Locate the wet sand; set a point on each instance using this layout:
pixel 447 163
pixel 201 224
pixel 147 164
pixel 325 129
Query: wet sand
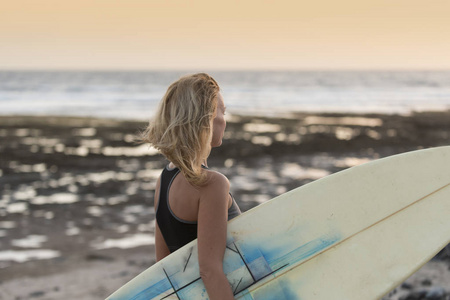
pixel 76 213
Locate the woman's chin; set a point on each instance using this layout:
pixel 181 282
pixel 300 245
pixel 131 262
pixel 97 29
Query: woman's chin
pixel 216 144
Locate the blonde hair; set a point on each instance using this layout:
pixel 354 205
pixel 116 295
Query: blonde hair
pixel 181 128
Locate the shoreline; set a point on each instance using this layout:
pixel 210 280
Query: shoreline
pixel 81 187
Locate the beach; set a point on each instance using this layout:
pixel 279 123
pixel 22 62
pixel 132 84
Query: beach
pixel 76 196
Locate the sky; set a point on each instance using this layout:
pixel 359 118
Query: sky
pixel 225 35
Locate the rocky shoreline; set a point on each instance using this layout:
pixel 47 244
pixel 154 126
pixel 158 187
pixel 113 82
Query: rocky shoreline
pixel 76 216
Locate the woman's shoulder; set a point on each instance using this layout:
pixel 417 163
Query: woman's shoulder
pixel 215 181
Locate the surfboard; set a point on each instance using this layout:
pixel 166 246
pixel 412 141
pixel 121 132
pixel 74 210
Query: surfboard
pixel 355 234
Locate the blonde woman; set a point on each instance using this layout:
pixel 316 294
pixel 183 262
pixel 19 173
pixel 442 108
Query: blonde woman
pixel 192 201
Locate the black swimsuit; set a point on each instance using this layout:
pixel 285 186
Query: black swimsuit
pixel 178 232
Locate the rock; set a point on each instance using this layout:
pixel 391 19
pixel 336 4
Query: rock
pixel 444 254
pixel 37 294
pixel 436 293
pixel 123 273
pixel 417 295
pixel 407 286
pixel 427 282
pixel 392 293
pixel 93 256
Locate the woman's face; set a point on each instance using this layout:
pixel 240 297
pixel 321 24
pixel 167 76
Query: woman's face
pixel 219 123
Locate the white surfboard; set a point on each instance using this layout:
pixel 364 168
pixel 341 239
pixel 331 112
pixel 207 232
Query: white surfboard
pixel 355 234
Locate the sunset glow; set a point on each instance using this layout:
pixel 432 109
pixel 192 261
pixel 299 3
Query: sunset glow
pixel 251 34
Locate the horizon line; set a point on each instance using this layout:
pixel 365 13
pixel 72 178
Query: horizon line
pixel 195 70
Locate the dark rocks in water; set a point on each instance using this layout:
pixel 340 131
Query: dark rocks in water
pixel 444 254
pixel 37 294
pixel 392 293
pixel 427 282
pixel 417 295
pixel 93 256
pixel 123 273
pixel 436 293
pixel 407 286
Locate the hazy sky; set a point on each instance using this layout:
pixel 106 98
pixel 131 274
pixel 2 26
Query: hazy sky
pixel 226 34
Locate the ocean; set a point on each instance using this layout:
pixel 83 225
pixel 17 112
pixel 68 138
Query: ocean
pixel 135 94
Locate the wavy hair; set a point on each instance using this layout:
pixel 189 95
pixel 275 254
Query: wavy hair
pixel 181 129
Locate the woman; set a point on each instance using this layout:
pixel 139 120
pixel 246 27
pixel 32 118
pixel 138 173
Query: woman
pixel 192 201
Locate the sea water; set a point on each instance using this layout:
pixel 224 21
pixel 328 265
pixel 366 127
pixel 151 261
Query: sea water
pixel 135 94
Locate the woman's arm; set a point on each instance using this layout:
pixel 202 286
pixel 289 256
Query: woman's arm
pixel 212 235
pixel 161 248
pixel 160 245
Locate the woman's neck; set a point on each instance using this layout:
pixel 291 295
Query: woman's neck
pixel 172 166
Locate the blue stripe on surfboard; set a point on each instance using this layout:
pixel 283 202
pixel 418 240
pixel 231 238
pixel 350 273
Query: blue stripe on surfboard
pixel 259 260
pixel 301 253
pixel 152 291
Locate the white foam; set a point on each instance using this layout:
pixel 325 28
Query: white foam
pixel 31 241
pixel 136 240
pixel 123 176
pixel 229 162
pixel 130 218
pixel 30 168
pixel 99 177
pixel 373 134
pixel 132 188
pixel 134 209
pixel 245 183
pixel 345 133
pixel 25 193
pixel 95 211
pixel 42 141
pixel 260 198
pixel 59 147
pixel 147 227
pixel 15 208
pixel 143 150
pixel 84 131
pixel 291 138
pixel 73 231
pixel 22 132
pixel 117 199
pixel 148 173
pixel 80 151
pixel 123 228
pixel 262 140
pixel 295 171
pixel 255 127
pixel 109 175
pixel 43 214
pixel 95 143
pixel 7 224
pixel 354 121
pixel 58 198
pixel 350 162
pixel 26 255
